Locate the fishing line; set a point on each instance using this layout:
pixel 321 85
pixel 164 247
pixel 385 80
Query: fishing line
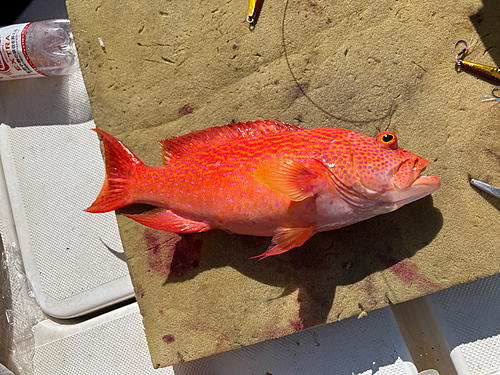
pixel 390 112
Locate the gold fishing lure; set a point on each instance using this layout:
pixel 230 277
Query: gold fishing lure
pixel 484 70
pixel 253 8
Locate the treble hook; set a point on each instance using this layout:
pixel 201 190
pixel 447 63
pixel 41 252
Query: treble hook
pixel 457 60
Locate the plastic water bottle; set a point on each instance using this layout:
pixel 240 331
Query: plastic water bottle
pixel 37 49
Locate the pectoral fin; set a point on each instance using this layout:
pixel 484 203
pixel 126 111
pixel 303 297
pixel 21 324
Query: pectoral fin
pixel 286 239
pixel 287 177
pixel 168 221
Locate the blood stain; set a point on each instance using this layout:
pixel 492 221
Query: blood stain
pixel 296 324
pixel 409 273
pixel 186 110
pixel 187 256
pixel 275 330
pixel 160 248
pixel 168 339
pixel 223 340
pixel 170 254
pixel 315 6
pixel 139 291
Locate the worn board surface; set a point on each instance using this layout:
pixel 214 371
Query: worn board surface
pixel 157 69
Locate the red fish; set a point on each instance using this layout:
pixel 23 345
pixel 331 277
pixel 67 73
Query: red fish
pixel 264 178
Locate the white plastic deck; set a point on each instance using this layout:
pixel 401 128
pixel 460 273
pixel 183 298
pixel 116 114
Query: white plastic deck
pixel 114 343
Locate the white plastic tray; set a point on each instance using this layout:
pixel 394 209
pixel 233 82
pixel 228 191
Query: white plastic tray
pixel 73 259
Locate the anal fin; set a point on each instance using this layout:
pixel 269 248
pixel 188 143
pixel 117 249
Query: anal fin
pixel 166 220
pixel 286 239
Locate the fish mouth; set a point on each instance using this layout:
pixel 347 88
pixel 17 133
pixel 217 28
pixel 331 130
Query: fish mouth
pixel 413 186
pixel 427 183
pixel 419 188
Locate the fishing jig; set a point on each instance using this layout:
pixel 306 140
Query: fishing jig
pixel 253 9
pixel 484 70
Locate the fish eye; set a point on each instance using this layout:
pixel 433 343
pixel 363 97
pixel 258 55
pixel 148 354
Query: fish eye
pixel 387 140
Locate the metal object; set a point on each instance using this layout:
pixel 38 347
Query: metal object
pixel 486 187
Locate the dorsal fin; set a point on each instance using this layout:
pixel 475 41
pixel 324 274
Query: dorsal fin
pixel 186 144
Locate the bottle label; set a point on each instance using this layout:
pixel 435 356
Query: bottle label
pixel 14 60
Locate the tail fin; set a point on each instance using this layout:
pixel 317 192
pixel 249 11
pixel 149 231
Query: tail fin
pixel 121 165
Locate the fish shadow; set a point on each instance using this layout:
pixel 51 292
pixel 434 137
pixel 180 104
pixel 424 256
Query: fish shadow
pixel 326 261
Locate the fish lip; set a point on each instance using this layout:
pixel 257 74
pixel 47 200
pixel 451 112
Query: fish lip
pixel 421 187
pixel 428 181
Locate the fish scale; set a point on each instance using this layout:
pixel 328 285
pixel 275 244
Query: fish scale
pixel 264 178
